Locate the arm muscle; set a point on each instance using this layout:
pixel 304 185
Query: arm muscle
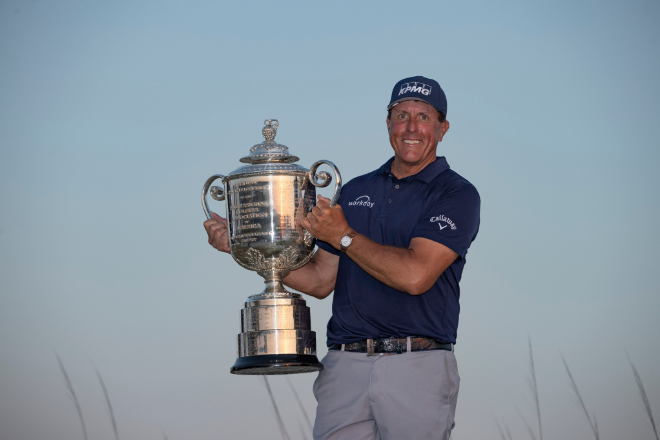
pixel 316 278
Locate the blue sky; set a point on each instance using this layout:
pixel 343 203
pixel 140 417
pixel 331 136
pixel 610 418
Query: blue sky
pixel 113 114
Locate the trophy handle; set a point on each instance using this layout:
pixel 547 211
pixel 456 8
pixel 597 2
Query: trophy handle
pixel 325 179
pixel 216 192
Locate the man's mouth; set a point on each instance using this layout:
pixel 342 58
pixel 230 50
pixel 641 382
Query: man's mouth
pixel 411 142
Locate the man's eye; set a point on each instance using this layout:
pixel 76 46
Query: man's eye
pixel 423 117
pixel 402 116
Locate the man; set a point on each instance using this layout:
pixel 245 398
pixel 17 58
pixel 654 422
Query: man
pixel 393 251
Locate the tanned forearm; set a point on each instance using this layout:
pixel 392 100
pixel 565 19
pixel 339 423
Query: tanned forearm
pixel 412 270
pixel 317 277
pixel 404 269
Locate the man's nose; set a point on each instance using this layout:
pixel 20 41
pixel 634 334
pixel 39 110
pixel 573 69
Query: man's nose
pixel 412 125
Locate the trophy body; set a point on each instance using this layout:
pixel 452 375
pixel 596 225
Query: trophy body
pixel 266 201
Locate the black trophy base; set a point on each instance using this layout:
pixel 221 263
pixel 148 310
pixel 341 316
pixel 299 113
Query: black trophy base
pixel 276 364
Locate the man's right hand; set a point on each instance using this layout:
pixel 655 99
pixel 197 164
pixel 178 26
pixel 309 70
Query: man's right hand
pixel 216 228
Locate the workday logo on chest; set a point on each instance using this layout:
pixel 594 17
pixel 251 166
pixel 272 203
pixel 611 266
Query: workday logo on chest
pixel 362 201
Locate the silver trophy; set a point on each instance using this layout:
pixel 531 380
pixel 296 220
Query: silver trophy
pixel 265 202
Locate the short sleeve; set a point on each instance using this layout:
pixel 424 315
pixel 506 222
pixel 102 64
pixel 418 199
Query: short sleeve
pixel 327 247
pixel 452 218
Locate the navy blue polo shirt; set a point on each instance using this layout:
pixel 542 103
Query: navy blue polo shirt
pixel 437 204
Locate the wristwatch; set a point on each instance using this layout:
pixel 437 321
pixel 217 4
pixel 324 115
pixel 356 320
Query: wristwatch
pixel 347 239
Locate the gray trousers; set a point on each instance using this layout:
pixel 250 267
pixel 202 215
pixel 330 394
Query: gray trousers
pixel 390 397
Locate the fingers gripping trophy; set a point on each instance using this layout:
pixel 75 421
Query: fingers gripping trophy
pixel 266 201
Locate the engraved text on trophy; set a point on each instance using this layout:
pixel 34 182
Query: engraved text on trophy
pixel 264 221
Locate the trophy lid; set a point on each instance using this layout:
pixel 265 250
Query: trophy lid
pixel 269 151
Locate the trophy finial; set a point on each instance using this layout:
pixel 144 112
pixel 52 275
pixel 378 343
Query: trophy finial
pixel 270 130
pixel 269 151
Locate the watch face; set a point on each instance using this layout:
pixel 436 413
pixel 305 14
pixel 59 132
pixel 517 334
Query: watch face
pixel 346 240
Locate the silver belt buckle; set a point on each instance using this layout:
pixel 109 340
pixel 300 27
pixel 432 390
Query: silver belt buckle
pixel 370 348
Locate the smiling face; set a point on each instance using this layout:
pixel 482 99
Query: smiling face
pixel 415 130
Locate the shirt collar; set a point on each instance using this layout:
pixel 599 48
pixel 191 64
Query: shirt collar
pixel 430 172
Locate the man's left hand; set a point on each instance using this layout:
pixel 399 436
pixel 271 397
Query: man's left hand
pixel 326 223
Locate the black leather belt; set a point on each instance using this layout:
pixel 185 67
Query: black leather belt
pixel 392 345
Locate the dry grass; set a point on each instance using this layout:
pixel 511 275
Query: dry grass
pixel 529 428
pixel 73 396
pixel 535 390
pixel 499 428
pixel 107 401
pixel 504 434
pixel 592 419
pixel 303 410
pixel 645 399
pixel 280 423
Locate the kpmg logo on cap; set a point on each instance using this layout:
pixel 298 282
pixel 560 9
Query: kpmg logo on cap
pixel 415 87
pixel 362 201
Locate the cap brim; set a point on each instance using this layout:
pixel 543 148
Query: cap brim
pixel 410 98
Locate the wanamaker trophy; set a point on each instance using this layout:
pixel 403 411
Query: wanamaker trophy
pixel 265 202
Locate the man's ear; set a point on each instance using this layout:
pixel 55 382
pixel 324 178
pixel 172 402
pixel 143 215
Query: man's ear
pixel 388 123
pixel 444 127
